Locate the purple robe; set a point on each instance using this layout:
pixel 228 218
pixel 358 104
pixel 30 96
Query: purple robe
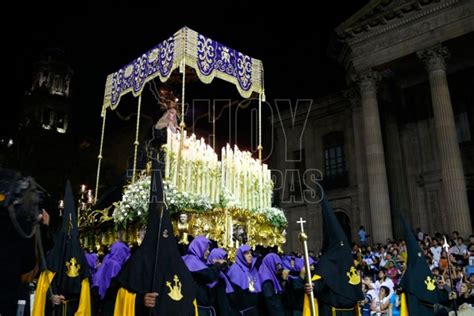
pixel 268 270
pixel 241 272
pixel 219 253
pixel 286 262
pixel 299 263
pixel 111 266
pixel 194 259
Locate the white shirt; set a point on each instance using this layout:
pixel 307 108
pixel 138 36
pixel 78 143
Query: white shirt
pixel 436 251
pixel 388 283
pixel 420 235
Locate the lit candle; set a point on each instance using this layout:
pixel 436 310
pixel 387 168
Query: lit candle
pixel 228 175
pixel 217 177
pixel 168 151
pixel 83 188
pixel 261 186
pixel 264 184
pixel 61 204
pixel 246 193
pixel 270 187
pixel 223 159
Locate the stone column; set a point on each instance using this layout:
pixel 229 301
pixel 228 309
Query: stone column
pixel 376 171
pixel 395 171
pixel 454 185
pixel 362 208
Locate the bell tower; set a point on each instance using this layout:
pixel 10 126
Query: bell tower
pixel 47 104
pixel 45 139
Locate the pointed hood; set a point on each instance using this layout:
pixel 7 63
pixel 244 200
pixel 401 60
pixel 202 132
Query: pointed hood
pixel 170 277
pixel 336 265
pixel 67 258
pixel 417 282
pixel 67 272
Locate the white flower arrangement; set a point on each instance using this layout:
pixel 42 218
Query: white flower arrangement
pixel 274 215
pixel 178 201
pixel 136 196
pixel 227 200
pixel 134 203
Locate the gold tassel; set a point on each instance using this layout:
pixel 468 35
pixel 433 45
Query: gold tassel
pixel 40 296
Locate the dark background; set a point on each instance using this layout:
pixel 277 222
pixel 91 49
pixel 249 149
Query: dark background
pixel 99 37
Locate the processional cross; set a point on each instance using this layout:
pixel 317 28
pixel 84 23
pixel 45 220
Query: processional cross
pixel 446 248
pixel 303 238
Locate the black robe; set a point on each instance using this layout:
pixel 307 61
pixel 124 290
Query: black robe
pixel 327 300
pixel 67 308
pixel 205 299
pixel 244 302
pixel 222 305
pixel 295 295
pixel 273 305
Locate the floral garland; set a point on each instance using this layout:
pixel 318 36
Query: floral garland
pixel 134 204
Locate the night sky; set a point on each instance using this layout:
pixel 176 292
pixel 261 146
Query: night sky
pixel 98 37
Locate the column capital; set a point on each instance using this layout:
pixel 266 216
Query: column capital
pixel 367 80
pixel 434 57
pixel 353 96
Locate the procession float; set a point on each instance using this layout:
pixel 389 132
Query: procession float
pixel 226 197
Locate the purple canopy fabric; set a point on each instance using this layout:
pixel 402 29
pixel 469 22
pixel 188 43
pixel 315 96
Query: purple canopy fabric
pixel 219 253
pixel 241 272
pixel 92 262
pixel 111 266
pixel 194 259
pixel 268 271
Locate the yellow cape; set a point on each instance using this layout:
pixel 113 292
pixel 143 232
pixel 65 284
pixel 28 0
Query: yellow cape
pixel 45 279
pixel 125 303
pixel 306 305
pixel 404 306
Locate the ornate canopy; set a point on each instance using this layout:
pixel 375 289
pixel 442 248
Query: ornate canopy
pixel 207 57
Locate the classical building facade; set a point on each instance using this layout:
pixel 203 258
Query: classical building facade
pixel 400 139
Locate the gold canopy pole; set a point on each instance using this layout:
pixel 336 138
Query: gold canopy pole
pixel 182 125
pixel 99 158
pixel 260 147
pixel 214 125
pixel 303 238
pixel 136 143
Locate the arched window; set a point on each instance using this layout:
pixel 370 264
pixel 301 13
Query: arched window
pixel 57 87
pixel 46 118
